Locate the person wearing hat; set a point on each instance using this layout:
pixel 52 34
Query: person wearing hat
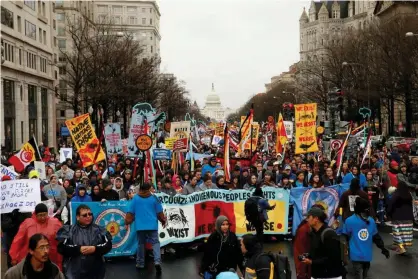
pixel 65 172
pixel 81 195
pixel 211 167
pixel 54 191
pixel 361 230
pixel 325 250
pixel 40 222
pixel 128 180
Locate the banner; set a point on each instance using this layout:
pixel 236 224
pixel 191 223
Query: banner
pixel 180 130
pixel 305 119
pixel 161 154
pixel 140 112
pixel 85 139
pixel 111 215
pixel 7 171
pixel 113 139
pixel 288 125
pixel 304 198
pixel 23 194
pixel 190 217
pixel 245 143
pixel 169 143
pixel 66 153
pixel 219 129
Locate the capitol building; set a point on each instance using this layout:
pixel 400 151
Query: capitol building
pixel 213 107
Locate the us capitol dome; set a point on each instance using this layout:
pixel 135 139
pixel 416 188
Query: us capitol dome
pixel 213 107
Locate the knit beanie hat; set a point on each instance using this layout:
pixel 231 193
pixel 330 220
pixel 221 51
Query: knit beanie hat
pixel 41 208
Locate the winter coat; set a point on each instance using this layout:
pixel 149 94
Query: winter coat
pixel 19 271
pixel 56 193
pixel 27 229
pixel 77 265
pixel 78 198
pixel 301 245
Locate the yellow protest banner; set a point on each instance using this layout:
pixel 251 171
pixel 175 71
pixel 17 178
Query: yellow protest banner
pixel 85 139
pixel 305 120
pixel 245 143
pixel 169 143
pixel 220 129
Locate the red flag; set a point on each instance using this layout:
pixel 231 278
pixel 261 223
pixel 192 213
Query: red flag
pixel 227 167
pixel 27 154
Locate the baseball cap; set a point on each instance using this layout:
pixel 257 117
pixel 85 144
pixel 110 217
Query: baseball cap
pixel 315 212
pixel 5 178
pixel 287 167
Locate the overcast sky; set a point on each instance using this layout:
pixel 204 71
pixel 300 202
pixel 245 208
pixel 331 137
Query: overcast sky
pixel 237 44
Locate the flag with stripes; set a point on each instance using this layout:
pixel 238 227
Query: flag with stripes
pixel 367 147
pixel 227 168
pixel 340 154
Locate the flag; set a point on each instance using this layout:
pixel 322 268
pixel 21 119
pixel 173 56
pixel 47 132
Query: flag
pixel 233 140
pixel 227 168
pixel 281 135
pixel 27 154
pixel 340 154
pixel 246 123
pixel 191 154
pixel 367 147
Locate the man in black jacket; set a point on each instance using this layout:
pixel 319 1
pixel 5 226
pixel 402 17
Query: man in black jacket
pixel 325 252
pixel 83 246
pixel 257 264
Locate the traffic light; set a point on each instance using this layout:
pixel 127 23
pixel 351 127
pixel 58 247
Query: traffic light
pixel 288 111
pixel 336 99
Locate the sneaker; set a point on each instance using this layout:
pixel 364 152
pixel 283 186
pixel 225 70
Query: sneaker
pixel 158 269
pixel 139 266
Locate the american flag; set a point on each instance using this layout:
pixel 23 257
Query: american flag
pixel 227 168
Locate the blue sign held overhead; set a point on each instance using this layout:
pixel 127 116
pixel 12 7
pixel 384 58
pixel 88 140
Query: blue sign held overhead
pixel 161 154
pixel 65 132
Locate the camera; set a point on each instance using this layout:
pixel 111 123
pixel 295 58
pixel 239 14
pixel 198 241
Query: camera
pixel 303 257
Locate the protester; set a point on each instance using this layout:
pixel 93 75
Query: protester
pixel 40 222
pixel 83 246
pixel 36 264
pixel 222 251
pixel 107 193
pixel 256 265
pixel 57 193
pixel 146 210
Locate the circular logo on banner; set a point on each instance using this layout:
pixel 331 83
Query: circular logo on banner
pixel 114 222
pixel 167 126
pixel 336 145
pixel 320 130
pixel 363 234
pixel 143 142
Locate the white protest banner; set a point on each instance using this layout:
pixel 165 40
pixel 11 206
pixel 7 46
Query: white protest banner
pixel 23 194
pixel 180 130
pixel 7 171
pixel 113 139
pixel 288 125
pixel 66 153
pixel 40 167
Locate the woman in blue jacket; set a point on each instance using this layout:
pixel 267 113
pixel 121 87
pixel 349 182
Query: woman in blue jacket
pixel 355 173
pixel 81 194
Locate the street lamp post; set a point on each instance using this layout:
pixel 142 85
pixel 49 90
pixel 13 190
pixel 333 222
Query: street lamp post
pixel 410 34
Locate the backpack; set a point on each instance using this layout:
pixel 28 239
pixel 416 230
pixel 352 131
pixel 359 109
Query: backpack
pixel 281 265
pixel 251 209
pixel 343 246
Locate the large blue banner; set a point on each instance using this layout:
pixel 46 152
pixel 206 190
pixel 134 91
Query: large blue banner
pixel 111 215
pixel 303 199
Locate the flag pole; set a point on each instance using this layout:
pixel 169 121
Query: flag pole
pixel 37 148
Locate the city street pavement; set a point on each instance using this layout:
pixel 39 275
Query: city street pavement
pixel 186 264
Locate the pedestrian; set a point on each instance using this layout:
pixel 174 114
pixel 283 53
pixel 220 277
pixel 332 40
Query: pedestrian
pixel 57 193
pixel 83 246
pixel 256 265
pixel 325 252
pixel 146 210
pixel 40 222
pixel 401 211
pixel 361 230
pixel 36 264
pixel 222 251
pixel 108 194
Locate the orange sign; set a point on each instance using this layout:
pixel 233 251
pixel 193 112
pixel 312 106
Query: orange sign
pixel 143 142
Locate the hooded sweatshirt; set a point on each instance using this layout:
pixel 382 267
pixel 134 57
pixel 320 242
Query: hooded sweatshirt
pixel 121 191
pixel 56 193
pixel 78 198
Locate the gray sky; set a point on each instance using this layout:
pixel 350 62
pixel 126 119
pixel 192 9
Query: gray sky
pixel 237 44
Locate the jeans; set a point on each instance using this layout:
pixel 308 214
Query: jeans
pixel 150 236
pixel 361 270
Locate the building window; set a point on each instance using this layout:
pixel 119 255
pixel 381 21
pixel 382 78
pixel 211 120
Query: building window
pixel 42 64
pixel 150 21
pixel 335 14
pixel 54 24
pixel 6 17
pixel 61 59
pixel 150 38
pixel 31 60
pixel 62 43
pixel 144 21
pixel 20 57
pixel 150 10
pixel 32 127
pixel 40 35
pixel 9 90
pixel 43 9
pixel 62 70
pixel 62 113
pixel 30 4
pixel 117 20
pixel 59 3
pixel 61 31
pixel 143 10
pixel 32 94
pixel 45 42
pixel 102 9
pixel 132 20
pixel 131 9
pixel 56 74
pixel 61 17
pixel 9 52
pixel 19 24
pixel 152 49
pixel 117 9
pixel 30 30
pixel 21 130
pixel 44 129
pixel 9 129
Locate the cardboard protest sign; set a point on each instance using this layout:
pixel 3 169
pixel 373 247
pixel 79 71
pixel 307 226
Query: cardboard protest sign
pixel 22 194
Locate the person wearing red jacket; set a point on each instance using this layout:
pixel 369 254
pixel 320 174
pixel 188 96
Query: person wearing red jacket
pixel 38 223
